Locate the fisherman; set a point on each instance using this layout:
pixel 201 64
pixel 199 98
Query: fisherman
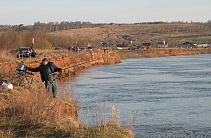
pixel 47 72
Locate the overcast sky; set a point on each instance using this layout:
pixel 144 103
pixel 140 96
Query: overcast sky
pixel 13 12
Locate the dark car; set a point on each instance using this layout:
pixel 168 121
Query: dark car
pixel 89 48
pixel 132 48
pixel 83 48
pixel 57 48
pixel 140 47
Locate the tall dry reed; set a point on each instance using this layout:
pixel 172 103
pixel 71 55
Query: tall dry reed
pixel 7 55
pixel 33 106
pixel 31 109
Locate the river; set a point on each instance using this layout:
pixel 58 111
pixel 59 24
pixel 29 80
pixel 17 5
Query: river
pixel 172 94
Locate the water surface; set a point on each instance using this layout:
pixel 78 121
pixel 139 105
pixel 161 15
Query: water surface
pixel 172 94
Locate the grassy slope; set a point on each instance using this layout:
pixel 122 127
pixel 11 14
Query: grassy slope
pixel 142 33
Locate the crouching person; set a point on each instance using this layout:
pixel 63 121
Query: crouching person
pixel 47 70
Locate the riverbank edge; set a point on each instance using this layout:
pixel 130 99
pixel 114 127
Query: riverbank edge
pixel 71 64
pixel 162 52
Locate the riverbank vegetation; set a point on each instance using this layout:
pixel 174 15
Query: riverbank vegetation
pixel 161 52
pixel 29 112
pixel 127 54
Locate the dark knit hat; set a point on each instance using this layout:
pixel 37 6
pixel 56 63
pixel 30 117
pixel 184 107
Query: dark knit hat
pixel 44 59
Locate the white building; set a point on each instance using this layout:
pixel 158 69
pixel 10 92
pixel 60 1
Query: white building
pixel 201 46
pixel 162 44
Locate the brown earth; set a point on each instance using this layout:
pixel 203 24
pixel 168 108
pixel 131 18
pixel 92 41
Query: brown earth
pixel 71 63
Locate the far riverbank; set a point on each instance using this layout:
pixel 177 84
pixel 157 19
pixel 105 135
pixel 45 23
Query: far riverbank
pixel 161 52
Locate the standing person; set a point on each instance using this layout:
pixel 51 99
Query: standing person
pixel 33 53
pixel 46 70
pixel 69 48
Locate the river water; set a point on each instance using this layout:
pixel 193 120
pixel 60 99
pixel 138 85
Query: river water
pixel 172 94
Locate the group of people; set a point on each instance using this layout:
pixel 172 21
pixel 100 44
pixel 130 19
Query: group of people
pixel 48 75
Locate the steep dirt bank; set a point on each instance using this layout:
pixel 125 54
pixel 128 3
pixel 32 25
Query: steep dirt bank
pixel 73 63
pixel 70 63
pixel 77 61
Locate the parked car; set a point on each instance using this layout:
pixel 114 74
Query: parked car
pixel 57 48
pixel 132 48
pixel 83 48
pixel 89 48
pixel 140 47
pixel 24 51
pixel 76 49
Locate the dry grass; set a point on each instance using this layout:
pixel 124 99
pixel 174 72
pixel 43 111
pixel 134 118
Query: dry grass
pixel 32 107
pixel 127 54
pixel 150 53
pixel 7 56
pixel 29 112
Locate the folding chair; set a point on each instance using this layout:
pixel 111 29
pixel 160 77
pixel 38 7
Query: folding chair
pixel 20 74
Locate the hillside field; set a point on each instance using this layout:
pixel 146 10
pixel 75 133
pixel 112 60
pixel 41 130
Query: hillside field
pixel 172 33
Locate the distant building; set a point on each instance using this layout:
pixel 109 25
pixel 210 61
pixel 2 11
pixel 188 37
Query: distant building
pixel 187 45
pixel 147 45
pixel 201 46
pixel 163 44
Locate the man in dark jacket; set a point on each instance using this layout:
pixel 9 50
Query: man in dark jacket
pixel 47 70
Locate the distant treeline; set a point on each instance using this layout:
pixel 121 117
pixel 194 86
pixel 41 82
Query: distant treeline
pixel 49 27
pixel 55 26
pixel 174 22
pixel 65 25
